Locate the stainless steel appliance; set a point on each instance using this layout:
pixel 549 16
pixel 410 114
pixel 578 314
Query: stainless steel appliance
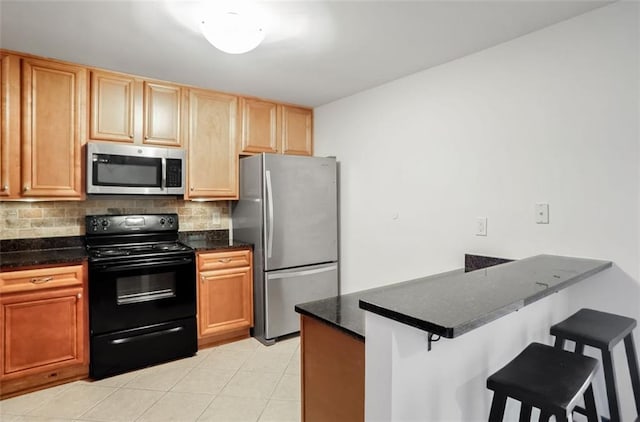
pixel 142 292
pixel 118 169
pixel 288 210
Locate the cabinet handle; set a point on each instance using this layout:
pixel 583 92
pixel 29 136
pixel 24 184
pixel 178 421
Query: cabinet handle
pixel 5 187
pixel 130 136
pixel 79 295
pixel 192 188
pixel 41 280
pixel 26 188
pixel 224 260
pixel 202 278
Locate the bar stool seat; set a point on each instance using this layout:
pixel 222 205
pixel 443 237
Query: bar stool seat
pixel 550 379
pixel 603 331
pixel 594 328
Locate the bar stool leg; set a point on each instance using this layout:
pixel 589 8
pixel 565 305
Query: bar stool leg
pixel 544 416
pixel 579 348
pixel 590 405
pixel 525 413
pixel 610 381
pixel 559 344
pixel 632 359
pixel 497 407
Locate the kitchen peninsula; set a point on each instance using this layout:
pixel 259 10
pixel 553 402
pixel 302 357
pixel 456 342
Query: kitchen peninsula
pixel 410 376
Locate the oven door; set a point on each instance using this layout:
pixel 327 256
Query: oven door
pixel 134 294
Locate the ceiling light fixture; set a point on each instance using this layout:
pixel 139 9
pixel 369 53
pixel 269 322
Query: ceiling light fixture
pixel 234 30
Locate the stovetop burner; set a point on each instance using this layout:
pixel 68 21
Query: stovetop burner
pixel 128 237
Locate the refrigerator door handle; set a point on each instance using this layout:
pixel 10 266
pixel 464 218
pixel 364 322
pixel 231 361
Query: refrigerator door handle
pixel 303 273
pixel 269 214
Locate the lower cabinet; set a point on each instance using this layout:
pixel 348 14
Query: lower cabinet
pixel 225 296
pixel 332 366
pixel 43 326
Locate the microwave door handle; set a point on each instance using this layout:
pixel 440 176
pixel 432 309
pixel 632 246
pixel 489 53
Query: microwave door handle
pixel 164 173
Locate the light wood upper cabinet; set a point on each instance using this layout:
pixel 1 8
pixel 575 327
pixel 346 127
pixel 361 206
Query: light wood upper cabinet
pixel 112 107
pixel 128 109
pixel 296 130
pixel 275 128
pixel 162 114
pixel 212 163
pixel 50 108
pixel 9 126
pixel 53 124
pixel 259 126
pixel 225 294
pixel 43 327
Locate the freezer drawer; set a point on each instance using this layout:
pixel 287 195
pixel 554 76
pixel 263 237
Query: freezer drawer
pixel 287 288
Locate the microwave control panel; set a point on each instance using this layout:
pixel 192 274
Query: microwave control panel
pixel 174 173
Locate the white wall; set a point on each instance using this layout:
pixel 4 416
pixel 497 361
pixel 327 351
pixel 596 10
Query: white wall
pixel 549 117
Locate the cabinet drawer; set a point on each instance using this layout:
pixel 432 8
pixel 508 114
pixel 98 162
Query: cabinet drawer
pixel 41 278
pixel 227 259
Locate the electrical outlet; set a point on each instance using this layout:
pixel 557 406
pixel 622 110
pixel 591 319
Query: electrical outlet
pixel 215 217
pixel 542 213
pixel 481 226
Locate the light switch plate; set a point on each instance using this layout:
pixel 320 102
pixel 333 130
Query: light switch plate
pixel 481 226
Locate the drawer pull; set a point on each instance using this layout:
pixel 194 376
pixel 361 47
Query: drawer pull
pixel 224 260
pixel 41 280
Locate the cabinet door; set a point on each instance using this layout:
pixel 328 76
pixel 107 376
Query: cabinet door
pixel 42 330
pixel 162 112
pixel 53 104
pixel 225 301
pixel 259 119
pixel 112 107
pixel 296 130
pixel 10 126
pixel 212 161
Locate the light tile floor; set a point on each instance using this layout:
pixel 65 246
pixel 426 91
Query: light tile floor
pixel 241 381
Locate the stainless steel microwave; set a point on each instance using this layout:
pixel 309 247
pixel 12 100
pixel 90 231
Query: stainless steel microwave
pixel 117 169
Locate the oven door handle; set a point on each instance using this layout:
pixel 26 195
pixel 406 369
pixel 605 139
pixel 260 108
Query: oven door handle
pixel 147 335
pixel 107 268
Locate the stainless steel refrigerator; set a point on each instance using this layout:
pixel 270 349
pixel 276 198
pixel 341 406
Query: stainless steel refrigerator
pixel 288 210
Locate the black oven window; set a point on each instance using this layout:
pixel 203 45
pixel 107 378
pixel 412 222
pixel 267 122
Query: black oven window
pixel 146 287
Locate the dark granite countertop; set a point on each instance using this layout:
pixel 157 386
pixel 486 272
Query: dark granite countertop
pixel 211 240
pixel 17 253
pixel 455 304
pixel 23 253
pixel 18 259
pixel 343 312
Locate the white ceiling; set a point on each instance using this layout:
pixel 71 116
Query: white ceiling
pixel 314 52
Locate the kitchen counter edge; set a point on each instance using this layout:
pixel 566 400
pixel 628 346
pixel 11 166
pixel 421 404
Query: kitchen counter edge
pixel 522 282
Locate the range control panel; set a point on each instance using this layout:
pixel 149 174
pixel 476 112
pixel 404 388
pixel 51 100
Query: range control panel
pixel 139 223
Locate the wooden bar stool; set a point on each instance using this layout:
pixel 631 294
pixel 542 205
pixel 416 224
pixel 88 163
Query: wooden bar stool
pixel 603 331
pixel 547 378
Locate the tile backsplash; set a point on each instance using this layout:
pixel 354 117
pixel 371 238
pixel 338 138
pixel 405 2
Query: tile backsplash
pixel 20 220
